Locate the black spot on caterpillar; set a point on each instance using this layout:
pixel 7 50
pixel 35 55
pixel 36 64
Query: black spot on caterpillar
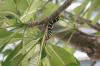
pixel 50 26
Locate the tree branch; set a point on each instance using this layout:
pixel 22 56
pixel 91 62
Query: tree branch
pixel 89 23
pixel 81 20
pixel 52 16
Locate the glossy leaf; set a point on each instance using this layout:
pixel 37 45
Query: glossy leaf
pixel 59 56
pixel 53 59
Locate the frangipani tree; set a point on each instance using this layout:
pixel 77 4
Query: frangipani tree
pixel 26 24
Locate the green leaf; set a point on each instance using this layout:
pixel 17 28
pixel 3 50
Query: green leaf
pixel 97 18
pixel 16 60
pixel 7 5
pixel 21 6
pixel 7 62
pixel 65 55
pixel 93 8
pixel 53 59
pixel 31 10
pixel 43 54
pixel 4 33
pixel 59 56
pixel 98 33
pixel 48 10
pixel 29 55
pixel 40 64
pixel 6 40
pixel 80 9
pixel 33 33
pixel 21 54
pixel 95 4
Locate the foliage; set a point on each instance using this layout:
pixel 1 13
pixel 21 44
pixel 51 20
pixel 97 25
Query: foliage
pixel 30 46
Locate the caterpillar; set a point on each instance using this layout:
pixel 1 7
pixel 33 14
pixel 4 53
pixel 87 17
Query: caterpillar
pixel 50 26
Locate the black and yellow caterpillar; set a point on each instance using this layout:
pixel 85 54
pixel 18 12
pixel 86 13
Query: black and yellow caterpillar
pixel 50 26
